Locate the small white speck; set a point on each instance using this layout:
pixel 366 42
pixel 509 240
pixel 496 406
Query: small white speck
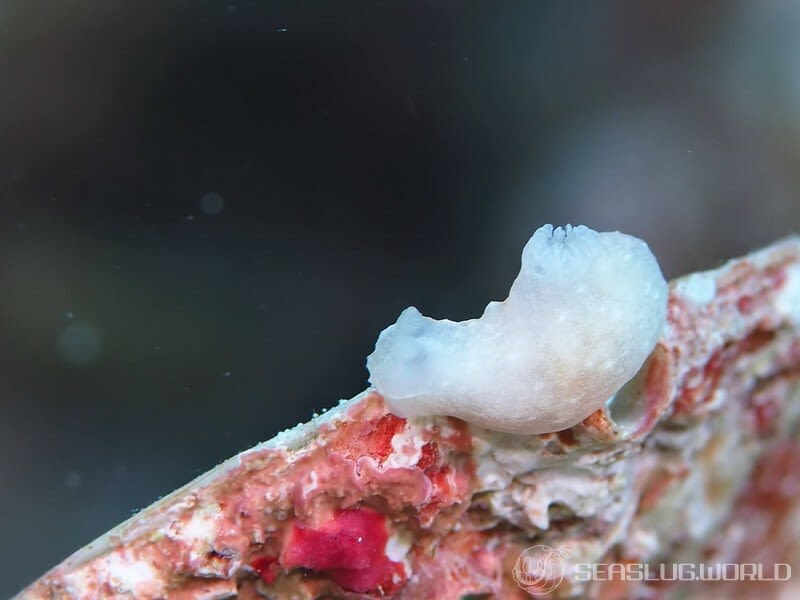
pixel 226 374
pixel 190 217
pixel 69 315
pixel 359 539
pixel 281 29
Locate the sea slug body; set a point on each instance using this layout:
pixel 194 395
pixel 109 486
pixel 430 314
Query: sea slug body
pixel 582 316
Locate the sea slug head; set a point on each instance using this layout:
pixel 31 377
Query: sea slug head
pixel 592 298
pixel 581 318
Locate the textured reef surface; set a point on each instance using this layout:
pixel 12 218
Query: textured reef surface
pixel 696 460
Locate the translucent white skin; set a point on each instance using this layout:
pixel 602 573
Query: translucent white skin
pixel 584 313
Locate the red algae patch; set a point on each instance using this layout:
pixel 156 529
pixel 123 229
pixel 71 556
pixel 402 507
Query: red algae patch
pixel 369 438
pixel 349 548
pixel 429 457
pixel 266 567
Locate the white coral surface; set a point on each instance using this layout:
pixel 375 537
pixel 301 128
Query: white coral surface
pixel 582 316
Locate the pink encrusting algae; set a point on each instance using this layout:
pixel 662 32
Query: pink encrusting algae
pixel 695 461
pixel 349 548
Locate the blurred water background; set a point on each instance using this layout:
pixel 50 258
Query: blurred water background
pixel 208 210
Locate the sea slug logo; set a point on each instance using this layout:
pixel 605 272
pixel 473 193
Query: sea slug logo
pixel 540 569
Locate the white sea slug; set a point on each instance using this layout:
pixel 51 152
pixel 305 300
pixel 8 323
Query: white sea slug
pixel 582 316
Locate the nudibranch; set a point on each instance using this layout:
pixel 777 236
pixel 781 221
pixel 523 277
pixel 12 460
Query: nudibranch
pixel 582 316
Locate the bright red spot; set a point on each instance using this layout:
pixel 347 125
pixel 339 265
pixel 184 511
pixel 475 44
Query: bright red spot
pixel 349 549
pixel 266 567
pixel 429 456
pixel 380 438
pixel 372 438
pixel 746 305
pixel 350 540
